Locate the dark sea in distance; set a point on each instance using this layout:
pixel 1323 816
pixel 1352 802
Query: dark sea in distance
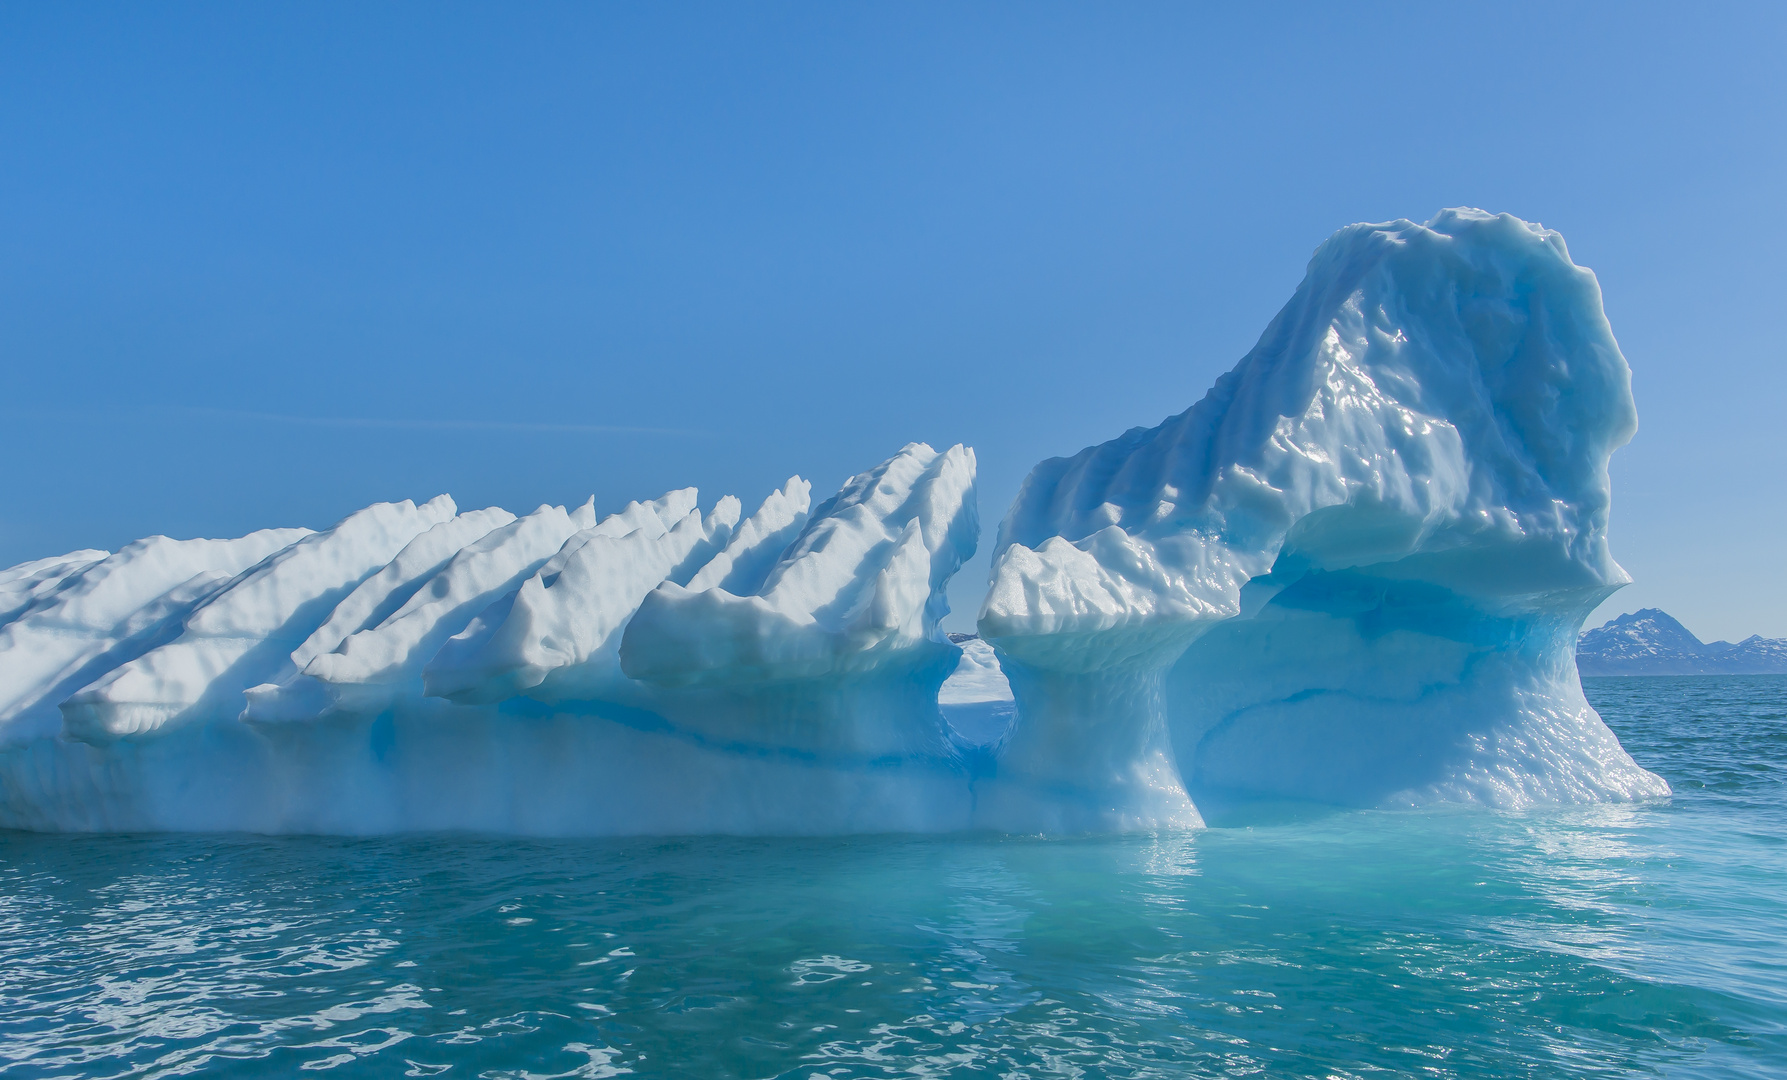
pixel 1605 941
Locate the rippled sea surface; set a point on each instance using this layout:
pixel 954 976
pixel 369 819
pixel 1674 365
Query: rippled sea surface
pixel 1610 941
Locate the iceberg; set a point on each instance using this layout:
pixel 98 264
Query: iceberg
pixel 1353 574
pixel 659 670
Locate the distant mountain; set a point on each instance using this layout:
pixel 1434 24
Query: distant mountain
pixel 1649 642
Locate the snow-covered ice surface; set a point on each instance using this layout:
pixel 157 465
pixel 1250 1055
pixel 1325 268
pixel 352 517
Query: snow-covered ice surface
pixel 1353 574
pixel 661 670
pixel 977 676
pixel 106 611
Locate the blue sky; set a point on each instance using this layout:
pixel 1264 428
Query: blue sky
pixel 264 264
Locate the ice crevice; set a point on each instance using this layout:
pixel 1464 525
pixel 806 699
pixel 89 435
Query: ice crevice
pixel 1353 574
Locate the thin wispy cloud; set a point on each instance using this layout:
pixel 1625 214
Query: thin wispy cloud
pixel 408 424
pixel 370 423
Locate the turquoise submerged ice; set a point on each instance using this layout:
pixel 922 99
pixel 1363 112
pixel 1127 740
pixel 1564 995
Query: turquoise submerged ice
pixel 1353 574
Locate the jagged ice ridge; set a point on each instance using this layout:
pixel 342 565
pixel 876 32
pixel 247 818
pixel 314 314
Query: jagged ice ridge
pixel 1354 573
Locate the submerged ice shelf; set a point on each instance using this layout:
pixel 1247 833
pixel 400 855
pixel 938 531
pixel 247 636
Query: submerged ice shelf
pixel 1353 573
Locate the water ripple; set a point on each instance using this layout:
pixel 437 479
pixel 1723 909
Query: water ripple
pixel 1593 942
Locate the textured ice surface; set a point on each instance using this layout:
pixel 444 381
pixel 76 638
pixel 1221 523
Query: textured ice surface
pixel 105 613
pixel 247 629
pixel 660 670
pixel 1353 573
pixel 23 585
pixel 977 677
pixel 836 658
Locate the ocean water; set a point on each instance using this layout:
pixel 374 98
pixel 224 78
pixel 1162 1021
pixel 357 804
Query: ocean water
pixel 1608 941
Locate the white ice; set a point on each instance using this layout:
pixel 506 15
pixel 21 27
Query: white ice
pixel 106 613
pixel 246 630
pixel 562 628
pixel 977 677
